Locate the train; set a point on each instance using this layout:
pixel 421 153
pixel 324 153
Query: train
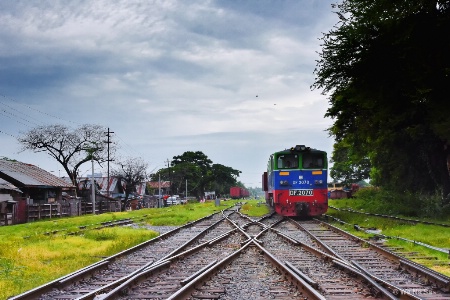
pixel 237 192
pixel 295 183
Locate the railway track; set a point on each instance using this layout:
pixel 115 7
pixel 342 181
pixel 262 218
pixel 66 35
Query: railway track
pixel 231 256
pixel 402 277
pixel 107 273
pixel 383 236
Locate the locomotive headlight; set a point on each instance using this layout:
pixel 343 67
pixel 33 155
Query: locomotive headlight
pixel 284 182
pixel 318 182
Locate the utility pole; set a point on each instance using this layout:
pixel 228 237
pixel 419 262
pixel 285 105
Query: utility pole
pixel 160 201
pixel 93 185
pixel 170 179
pixel 91 150
pixel 108 135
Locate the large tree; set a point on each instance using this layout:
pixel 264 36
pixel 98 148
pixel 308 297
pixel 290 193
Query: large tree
pixel 200 173
pixel 387 70
pixel 71 147
pixel 195 167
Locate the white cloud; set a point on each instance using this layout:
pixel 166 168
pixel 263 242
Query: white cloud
pixel 229 78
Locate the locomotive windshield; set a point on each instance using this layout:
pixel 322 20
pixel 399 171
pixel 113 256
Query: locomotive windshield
pixel 313 161
pixel 287 161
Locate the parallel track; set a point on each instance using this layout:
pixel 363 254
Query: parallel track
pixel 231 256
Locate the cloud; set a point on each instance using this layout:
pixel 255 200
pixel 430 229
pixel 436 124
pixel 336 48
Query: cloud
pixel 229 78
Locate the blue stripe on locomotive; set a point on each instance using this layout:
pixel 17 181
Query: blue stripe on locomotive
pixel 299 179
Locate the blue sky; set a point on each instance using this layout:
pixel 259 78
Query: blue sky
pixel 228 78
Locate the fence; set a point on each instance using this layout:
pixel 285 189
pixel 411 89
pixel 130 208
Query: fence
pixel 22 212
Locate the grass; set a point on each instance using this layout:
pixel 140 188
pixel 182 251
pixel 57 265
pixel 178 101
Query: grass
pixel 35 253
pixel 254 208
pixel 26 263
pixel 433 235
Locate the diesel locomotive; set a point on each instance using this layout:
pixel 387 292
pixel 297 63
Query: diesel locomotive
pixel 295 182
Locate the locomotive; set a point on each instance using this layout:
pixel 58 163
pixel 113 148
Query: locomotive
pixel 295 183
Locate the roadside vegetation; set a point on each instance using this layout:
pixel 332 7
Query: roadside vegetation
pixel 35 253
pixel 255 208
pixel 404 206
pixel 410 205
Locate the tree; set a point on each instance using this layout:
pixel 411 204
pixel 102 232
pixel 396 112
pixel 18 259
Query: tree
pixel 201 174
pixel 222 178
pixel 195 167
pixel 131 173
pixel 349 166
pixel 70 147
pixel 386 67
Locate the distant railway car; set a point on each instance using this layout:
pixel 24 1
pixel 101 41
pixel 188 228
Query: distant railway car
pixel 238 192
pixel 295 183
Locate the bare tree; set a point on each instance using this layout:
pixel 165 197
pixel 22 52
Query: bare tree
pixel 70 147
pixel 131 172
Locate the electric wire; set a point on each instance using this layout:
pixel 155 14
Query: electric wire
pixel 25 118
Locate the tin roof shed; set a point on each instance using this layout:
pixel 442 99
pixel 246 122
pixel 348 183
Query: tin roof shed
pixel 27 175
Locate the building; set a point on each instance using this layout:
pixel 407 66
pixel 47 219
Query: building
pixel 25 184
pixel 36 184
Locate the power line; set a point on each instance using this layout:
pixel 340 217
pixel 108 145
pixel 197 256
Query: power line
pixel 8 134
pixel 44 113
pixel 9 114
pixel 25 117
pixel 20 112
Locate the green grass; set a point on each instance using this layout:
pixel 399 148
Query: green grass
pixel 254 208
pixel 433 235
pixel 35 253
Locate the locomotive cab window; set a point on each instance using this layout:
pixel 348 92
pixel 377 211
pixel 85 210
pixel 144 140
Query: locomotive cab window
pixel 287 161
pixel 313 161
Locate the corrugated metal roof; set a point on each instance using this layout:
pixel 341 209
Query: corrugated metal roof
pixel 6 198
pixel 5 185
pixel 103 184
pixel 101 181
pixel 30 175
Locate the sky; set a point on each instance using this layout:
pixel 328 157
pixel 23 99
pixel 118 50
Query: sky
pixel 230 78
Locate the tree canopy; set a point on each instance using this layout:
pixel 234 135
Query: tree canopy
pixel 386 68
pixel 349 165
pixel 200 173
pixel 70 147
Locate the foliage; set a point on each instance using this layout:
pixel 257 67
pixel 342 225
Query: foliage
pixel 222 178
pixel 254 208
pixel 349 165
pixel 429 234
pixel 256 191
pixel 7 159
pixel 199 172
pixel 69 147
pixel 132 172
pixel 381 201
pixel 386 66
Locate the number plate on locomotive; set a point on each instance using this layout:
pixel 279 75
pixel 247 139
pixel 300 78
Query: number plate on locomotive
pixel 300 192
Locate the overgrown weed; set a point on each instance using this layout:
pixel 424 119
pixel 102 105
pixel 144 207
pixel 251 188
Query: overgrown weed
pixel 406 204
